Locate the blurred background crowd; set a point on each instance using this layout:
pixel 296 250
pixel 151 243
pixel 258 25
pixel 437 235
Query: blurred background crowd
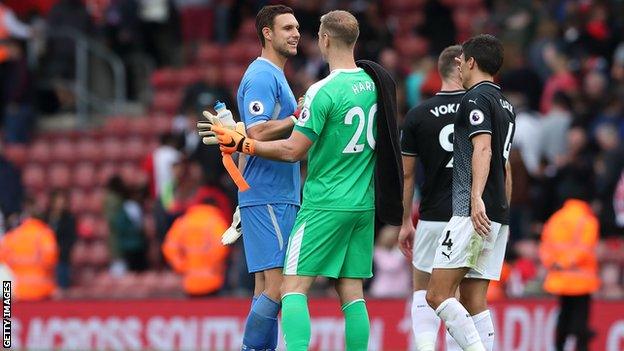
pixel 106 190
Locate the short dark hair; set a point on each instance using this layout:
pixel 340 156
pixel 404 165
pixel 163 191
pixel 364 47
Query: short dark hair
pixel 266 18
pixel 446 61
pixel 487 50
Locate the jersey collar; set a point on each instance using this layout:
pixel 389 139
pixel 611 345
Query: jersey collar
pixel 485 82
pixel 450 92
pixel 269 61
pixel 346 70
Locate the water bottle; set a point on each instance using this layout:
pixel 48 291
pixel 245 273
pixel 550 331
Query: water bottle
pixel 225 115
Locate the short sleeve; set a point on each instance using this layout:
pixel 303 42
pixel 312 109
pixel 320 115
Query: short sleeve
pixel 478 112
pixel 314 114
pixel 409 145
pixel 259 98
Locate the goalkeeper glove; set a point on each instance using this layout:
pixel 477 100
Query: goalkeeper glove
pixel 204 126
pixel 234 231
pixel 231 141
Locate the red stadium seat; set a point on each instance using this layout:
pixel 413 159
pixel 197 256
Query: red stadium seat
pixel 112 149
pixel 88 150
pixel 34 177
pixel 247 31
pixel 77 201
pixel 95 201
pixel 85 226
pixel 232 75
pixel 164 78
pixel 167 101
pixel 117 125
pixel 64 150
pixel 16 153
pixel 209 54
pixel 59 176
pixel 105 172
pixel 84 175
pixel 136 149
pixel 39 152
pixel 187 76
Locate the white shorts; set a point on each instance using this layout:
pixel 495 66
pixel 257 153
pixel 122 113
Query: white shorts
pixel 425 244
pixel 461 246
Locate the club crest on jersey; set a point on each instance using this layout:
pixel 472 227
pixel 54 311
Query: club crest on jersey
pixel 476 117
pixel 256 108
pixel 304 116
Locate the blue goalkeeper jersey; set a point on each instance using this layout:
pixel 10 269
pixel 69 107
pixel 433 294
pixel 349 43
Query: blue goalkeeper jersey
pixel 264 95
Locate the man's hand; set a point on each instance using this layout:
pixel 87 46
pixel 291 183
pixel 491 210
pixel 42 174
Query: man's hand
pixel 231 141
pixel 204 128
pixel 480 220
pixel 406 239
pixel 234 231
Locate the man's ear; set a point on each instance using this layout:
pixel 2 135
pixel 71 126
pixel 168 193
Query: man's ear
pixel 471 62
pixel 267 33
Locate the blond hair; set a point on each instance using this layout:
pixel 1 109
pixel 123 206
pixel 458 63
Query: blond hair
pixel 341 25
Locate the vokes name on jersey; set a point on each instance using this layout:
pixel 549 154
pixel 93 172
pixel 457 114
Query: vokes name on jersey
pixel 444 109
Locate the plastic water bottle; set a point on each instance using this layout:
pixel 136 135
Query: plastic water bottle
pixel 225 115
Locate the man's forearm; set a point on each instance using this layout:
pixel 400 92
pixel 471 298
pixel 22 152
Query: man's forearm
pixel 278 150
pixel 408 187
pixel 272 130
pixel 480 170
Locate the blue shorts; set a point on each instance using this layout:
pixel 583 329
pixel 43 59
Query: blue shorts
pixel 266 229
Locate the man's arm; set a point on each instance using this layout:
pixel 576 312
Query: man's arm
pixel 481 156
pixel 406 234
pixel 508 181
pixel 292 149
pixel 271 130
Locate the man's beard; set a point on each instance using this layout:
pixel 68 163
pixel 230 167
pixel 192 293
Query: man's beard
pixel 284 52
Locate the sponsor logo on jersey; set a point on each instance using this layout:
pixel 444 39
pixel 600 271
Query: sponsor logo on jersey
pixel 444 109
pixel 476 117
pixel 256 108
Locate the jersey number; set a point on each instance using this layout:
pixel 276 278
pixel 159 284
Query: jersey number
pixel 446 142
pixel 448 242
pixel 353 147
pixel 507 146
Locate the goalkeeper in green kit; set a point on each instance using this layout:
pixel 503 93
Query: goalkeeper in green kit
pixel 347 127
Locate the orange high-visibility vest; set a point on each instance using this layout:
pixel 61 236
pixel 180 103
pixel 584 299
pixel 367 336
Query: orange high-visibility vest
pixel 193 247
pixel 31 252
pixel 567 250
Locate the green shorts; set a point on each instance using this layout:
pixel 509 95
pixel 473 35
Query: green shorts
pixel 336 244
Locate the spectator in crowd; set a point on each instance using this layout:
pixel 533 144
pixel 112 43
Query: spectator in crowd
pixel 31 252
pixel 610 180
pixel 129 227
pixel 160 26
pixel 567 250
pixel 392 273
pixel 11 191
pixel 164 157
pixel 560 80
pixel 193 248
pixel 62 222
pixel 554 129
pixel 113 200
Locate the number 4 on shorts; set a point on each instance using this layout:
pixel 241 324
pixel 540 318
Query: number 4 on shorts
pixel 447 240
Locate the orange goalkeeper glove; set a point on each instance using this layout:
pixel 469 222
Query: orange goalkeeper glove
pixel 231 141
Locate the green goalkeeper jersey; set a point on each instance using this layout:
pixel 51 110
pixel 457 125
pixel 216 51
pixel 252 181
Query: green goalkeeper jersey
pixel 339 115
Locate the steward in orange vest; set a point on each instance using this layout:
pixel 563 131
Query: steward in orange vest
pixel 30 250
pixel 193 247
pixel 569 239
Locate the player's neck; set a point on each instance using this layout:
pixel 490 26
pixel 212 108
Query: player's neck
pixel 478 77
pixel 341 60
pixel 273 56
pixel 451 85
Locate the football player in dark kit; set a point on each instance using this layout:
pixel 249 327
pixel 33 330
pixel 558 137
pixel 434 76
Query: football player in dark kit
pixel 428 135
pixel 472 247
